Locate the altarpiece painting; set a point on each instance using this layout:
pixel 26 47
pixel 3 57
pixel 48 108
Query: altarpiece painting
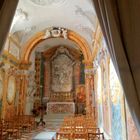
pixel 62 72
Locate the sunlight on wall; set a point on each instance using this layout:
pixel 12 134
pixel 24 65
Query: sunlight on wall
pixel 99 85
pixel 117 106
pixel 99 97
pixel 114 85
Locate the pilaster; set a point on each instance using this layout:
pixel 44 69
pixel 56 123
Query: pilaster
pixel 89 87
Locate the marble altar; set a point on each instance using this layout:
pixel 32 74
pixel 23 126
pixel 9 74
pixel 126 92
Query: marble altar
pixel 61 107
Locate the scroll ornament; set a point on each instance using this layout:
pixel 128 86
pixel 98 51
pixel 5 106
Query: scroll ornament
pixel 56 32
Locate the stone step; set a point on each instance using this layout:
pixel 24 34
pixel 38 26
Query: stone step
pixel 56 116
pixel 54 120
pixel 57 119
pixel 56 123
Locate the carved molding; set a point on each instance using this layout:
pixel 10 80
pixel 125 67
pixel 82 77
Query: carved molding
pixel 61 50
pixel 56 32
pixel 19 15
pixel 79 40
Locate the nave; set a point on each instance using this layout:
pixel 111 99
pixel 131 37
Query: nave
pixel 71 127
pixel 60 77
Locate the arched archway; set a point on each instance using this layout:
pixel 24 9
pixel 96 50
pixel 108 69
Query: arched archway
pixel 39 37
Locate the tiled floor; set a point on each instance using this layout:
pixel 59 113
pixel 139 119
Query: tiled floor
pixel 45 133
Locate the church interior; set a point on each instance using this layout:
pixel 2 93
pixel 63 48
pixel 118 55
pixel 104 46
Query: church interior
pixel 68 70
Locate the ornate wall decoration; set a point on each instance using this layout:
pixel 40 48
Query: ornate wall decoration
pixel 47 79
pixel 99 87
pixel 64 107
pixel 62 97
pixel 81 94
pixel 110 100
pixel 77 70
pixel 117 107
pixel 31 84
pixel 20 36
pixel 11 89
pixel 1 85
pixel 19 15
pixel 62 71
pixel 37 73
pixel 9 59
pixel 14 50
pixel 56 32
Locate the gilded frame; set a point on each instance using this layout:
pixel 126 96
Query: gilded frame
pixel 11 89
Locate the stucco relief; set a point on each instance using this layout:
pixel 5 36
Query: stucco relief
pixel 14 50
pixel 62 72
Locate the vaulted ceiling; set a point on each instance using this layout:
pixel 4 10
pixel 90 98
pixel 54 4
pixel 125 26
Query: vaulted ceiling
pixel 33 16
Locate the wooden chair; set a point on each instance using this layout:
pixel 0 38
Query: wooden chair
pixel 32 122
pixel 79 127
pixel 18 125
pixel 96 136
pixel 11 130
pixel 93 130
pixel 66 129
pixel 3 134
pixel 63 136
pixel 80 131
pixel 78 136
pixel 65 132
pixel 26 123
